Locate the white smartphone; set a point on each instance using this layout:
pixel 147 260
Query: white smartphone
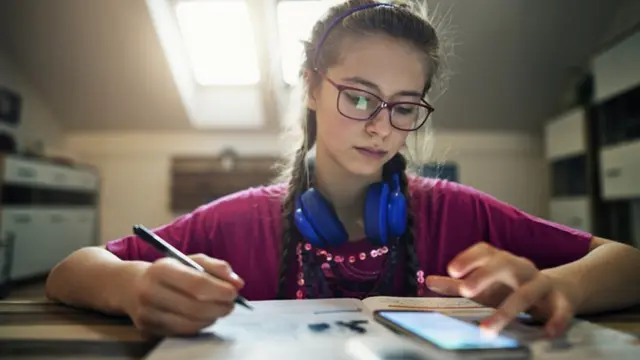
pixel 450 335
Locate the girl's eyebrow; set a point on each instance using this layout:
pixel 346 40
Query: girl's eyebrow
pixel 367 83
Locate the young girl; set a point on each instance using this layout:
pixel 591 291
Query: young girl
pixel 355 224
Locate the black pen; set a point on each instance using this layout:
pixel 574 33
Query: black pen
pixel 170 251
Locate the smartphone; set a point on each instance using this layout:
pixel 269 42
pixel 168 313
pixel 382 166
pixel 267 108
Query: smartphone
pixel 451 335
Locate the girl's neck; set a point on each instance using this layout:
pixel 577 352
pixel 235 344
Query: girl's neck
pixel 345 191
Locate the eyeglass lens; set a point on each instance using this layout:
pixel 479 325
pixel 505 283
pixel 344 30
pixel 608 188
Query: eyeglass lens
pixel 360 105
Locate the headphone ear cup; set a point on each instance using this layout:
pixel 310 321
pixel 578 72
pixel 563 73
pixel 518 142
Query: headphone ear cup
pixel 397 210
pixel 375 213
pixel 305 227
pixel 397 214
pixel 322 218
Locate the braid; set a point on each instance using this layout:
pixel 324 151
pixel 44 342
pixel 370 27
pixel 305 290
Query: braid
pixel 298 183
pixel 412 263
pixel 289 230
pixel 398 165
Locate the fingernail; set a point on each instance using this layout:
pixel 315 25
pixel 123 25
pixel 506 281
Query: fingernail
pixel 235 276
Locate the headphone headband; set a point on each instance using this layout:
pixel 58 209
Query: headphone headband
pixel 338 19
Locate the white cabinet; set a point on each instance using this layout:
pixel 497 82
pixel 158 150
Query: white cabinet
pixel 572 212
pixel 50 211
pixel 617 70
pixel 565 135
pixel 620 171
pixel 29 172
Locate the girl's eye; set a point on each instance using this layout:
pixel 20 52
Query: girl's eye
pixel 359 100
pixel 405 110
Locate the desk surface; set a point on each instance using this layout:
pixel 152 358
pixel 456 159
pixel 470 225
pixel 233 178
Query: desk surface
pixel 30 329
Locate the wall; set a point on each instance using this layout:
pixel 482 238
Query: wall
pixel 38 121
pixel 135 168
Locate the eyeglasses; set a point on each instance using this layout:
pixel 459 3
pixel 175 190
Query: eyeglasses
pixel 358 104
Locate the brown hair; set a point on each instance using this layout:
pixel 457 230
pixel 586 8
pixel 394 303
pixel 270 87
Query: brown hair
pixel 406 22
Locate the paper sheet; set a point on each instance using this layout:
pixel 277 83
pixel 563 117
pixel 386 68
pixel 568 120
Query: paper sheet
pixel 242 334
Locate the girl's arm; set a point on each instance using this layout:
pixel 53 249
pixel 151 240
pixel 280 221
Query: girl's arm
pixel 607 278
pixel 94 278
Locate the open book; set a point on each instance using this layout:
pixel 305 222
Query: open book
pixel 310 329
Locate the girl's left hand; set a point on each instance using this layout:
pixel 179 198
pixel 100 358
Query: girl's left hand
pixel 510 283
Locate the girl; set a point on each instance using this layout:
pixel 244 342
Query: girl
pixel 355 224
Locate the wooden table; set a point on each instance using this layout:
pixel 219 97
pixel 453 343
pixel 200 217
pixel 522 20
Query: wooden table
pixel 35 329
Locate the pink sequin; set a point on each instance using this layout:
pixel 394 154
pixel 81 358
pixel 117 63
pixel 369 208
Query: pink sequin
pixel 421 280
pixel 420 292
pixel 352 259
pixel 300 275
pixel 385 249
pixel 420 273
pixel 363 256
pixel 374 253
pixel 379 252
pixel 299 294
pixel 329 257
pixel 318 252
pixel 323 252
pixel 325 266
pixel 301 282
pixel 307 247
pixel 339 259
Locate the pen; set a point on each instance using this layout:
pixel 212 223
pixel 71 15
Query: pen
pixel 170 251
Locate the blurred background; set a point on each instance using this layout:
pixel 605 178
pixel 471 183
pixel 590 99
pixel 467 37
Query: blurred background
pixel 114 112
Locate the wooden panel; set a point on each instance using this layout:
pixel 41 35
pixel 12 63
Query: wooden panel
pixel 198 180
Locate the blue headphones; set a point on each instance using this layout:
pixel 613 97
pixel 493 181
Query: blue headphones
pixel 385 216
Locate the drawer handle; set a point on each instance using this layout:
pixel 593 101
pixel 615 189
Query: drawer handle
pixel 26 172
pixel 22 219
pixel 613 173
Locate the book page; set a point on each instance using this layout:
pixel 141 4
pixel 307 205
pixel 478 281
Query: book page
pixel 456 305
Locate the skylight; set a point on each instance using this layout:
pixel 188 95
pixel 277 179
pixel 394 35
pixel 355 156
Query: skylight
pixel 295 20
pixel 219 41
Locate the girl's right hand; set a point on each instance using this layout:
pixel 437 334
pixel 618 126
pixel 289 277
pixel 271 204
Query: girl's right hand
pixel 169 298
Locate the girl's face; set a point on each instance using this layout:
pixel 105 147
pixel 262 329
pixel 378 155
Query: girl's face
pixel 380 65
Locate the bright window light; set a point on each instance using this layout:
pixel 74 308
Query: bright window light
pixel 295 21
pixel 219 40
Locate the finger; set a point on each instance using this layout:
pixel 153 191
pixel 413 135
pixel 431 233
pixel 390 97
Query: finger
pixel 561 315
pixel 443 285
pixel 167 299
pixel 501 268
pixel 166 323
pixel 520 300
pixel 219 268
pixel 191 282
pixel 472 258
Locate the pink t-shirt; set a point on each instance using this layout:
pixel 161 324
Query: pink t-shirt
pixel 245 230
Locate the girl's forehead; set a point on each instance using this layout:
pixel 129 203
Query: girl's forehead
pixel 392 64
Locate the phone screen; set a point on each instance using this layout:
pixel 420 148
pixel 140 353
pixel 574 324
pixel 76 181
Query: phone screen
pixel 447 332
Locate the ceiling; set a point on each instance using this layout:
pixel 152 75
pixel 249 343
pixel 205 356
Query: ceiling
pixel 100 66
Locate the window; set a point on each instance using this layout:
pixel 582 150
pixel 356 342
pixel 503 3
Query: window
pixel 218 37
pixel 295 20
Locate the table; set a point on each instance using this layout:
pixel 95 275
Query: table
pixel 41 329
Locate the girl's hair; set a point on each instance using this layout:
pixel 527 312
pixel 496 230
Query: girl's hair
pixel 408 22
